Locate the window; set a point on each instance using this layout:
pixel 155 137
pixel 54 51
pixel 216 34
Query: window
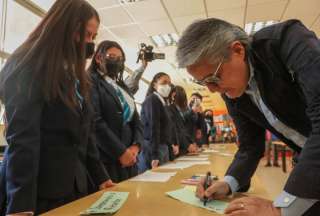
pixel 1 9
pixel 2 62
pixel 138 105
pixel 141 93
pixel 125 75
pixel 253 27
pixel 20 23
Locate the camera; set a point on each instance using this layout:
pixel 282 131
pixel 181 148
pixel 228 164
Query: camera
pixel 145 53
pixel 195 103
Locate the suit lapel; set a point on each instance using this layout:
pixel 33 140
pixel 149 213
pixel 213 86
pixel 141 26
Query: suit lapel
pixel 111 91
pixel 245 105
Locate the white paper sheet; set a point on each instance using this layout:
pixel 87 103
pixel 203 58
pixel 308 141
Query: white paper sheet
pixel 226 154
pixel 192 159
pixel 150 176
pixel 196 156
pixel 211 151
pixel 183 164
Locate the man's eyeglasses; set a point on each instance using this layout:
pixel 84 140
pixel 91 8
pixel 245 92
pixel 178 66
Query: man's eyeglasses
pixel 210 79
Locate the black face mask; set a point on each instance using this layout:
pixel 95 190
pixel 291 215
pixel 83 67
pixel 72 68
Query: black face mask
pixel 89 49
pixel 209 116
pixel 114 67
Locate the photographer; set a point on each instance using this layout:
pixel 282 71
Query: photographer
pixel 145 55
pixel 211 129
pixel 195 122
pixel 132 81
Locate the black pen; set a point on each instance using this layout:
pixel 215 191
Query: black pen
pixel 207 184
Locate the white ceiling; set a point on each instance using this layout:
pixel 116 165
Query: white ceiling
pixel 133 23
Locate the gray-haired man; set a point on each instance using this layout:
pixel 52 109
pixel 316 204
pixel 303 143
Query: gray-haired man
pixel 270 81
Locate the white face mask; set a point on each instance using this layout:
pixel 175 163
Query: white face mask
pixel 164 90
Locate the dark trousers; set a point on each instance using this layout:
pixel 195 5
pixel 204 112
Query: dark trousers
pixel 44 205
pixel 118 173
pixel 163 151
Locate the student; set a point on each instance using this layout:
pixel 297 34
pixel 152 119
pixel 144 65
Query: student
pixel 177 109
pixel 132 81
pixel 118 128
pixel 195 122
pixel 156 122
pixel 211 129
pixel 50 159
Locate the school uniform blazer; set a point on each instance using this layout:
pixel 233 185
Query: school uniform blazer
pixel 113 136
pixel 156 124
pixel 191 123
pixel 181 135
pixel 50 149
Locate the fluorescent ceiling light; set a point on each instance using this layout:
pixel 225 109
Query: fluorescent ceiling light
pixel 129 1
pixel 175 37
pixel 167 38
pixel 163 40
pixel 258 26
pixel 248 27
pixel 253 27
pixel 158 41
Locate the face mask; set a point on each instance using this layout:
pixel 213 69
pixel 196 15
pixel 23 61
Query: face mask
pixel 208 116
pixel 164 90
pixel 89 49
pixel 114 67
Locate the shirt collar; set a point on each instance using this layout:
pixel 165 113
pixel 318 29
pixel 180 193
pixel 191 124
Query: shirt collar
pixel 251 78
pixel 251 72
pixel 106 77
pixel 160 97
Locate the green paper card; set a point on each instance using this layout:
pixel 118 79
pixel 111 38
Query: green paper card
pixel 109 203
pixel 188 196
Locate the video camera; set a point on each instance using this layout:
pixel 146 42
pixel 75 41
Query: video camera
pixel 145 53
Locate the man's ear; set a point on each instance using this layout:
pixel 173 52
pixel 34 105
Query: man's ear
pixel 237 48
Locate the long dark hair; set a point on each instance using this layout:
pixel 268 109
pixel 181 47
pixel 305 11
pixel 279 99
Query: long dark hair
pixel 180 98
pixel 156 77
pixel 52 55
pixel 101 51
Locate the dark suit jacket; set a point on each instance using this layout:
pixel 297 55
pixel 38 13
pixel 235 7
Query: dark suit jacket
pixel 50 152
pixel 156 125
pixel 202 126
pixel 286 65
pixel 181 135
pixel 193 122
pixel 191 125
pixel 113 136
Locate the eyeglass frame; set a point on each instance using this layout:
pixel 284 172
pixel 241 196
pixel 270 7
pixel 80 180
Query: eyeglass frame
pixel 210 79
pixel 112 56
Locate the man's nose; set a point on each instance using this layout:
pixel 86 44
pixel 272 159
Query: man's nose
pixel 214 88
